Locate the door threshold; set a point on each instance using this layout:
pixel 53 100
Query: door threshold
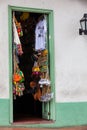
pixel 32 120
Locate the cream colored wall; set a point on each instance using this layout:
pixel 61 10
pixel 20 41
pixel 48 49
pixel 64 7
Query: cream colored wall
pixel 71 52
pixel 70 47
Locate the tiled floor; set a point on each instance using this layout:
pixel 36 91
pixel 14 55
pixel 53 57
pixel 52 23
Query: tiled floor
pixel 30 120
pixel 68 128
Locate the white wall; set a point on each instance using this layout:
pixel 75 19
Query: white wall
pixel 71 52
pixel 70 47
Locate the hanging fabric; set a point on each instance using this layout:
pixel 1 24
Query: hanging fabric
pixel 40 34
pixel 15 33
pixel 16 38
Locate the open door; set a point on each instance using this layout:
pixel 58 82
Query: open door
pixel 32 68
pixel 45 111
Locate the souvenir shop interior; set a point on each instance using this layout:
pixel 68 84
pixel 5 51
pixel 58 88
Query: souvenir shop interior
pixel 31 76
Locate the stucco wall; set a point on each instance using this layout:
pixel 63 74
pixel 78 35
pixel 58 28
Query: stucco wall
pixel 70 47
pixel 71 52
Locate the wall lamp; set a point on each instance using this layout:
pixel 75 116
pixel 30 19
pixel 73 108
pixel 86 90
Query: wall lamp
pixel 83 24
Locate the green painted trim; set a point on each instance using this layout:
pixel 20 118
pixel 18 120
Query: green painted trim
pixel 10 61
pixel 71 114
pixel 52 61
pixel 24 9
pixel 51 50
pixel 67 114
pixel 4 112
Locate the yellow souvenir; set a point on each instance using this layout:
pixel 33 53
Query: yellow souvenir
pixel 24 16
pixel 45 52
pixel 36 69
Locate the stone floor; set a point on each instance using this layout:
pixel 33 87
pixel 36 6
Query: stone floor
pixel 67 128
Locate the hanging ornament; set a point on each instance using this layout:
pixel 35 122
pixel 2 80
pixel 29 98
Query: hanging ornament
pixel 32 84
pixel 19 27
pixel 24 16
pixel 44 52
pixel 18 77
pixel 18 85
pixel 36 70
pixel 19 49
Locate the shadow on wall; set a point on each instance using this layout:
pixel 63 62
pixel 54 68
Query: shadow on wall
pixel 83 1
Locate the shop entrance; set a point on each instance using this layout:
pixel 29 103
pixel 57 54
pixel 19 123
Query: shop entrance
pixel 32 83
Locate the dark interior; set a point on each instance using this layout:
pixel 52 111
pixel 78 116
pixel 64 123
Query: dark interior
pixel 26 106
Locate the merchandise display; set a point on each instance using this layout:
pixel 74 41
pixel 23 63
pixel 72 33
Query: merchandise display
pixel 31 57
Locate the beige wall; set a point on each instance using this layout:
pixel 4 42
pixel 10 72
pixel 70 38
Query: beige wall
pixel 71 52
pixel 70 47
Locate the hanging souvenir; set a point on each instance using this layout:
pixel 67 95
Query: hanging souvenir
pixel 18 79
pixel 18 27
pixel 24 16
pixel 18 76
pixel 44 52
pixel 44 79
pixel 33 84
pixel 47 95
pixel 36 70
pixel 19 49
pixel 18 85
pixel 43 60
pixel 38 94
pixel 16 38
pixel 18 89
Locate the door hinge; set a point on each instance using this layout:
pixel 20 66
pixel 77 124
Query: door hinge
pixel 48 113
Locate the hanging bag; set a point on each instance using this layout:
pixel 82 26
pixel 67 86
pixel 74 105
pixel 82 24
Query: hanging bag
pixel 47 95
pixel 45 80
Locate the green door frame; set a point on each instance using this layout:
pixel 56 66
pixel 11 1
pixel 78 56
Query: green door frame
pixel 51 52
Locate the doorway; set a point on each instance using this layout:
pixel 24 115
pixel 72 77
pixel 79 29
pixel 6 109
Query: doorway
pixel 31 69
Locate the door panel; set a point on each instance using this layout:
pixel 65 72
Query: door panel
pixel 45 110
pixel 46 105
